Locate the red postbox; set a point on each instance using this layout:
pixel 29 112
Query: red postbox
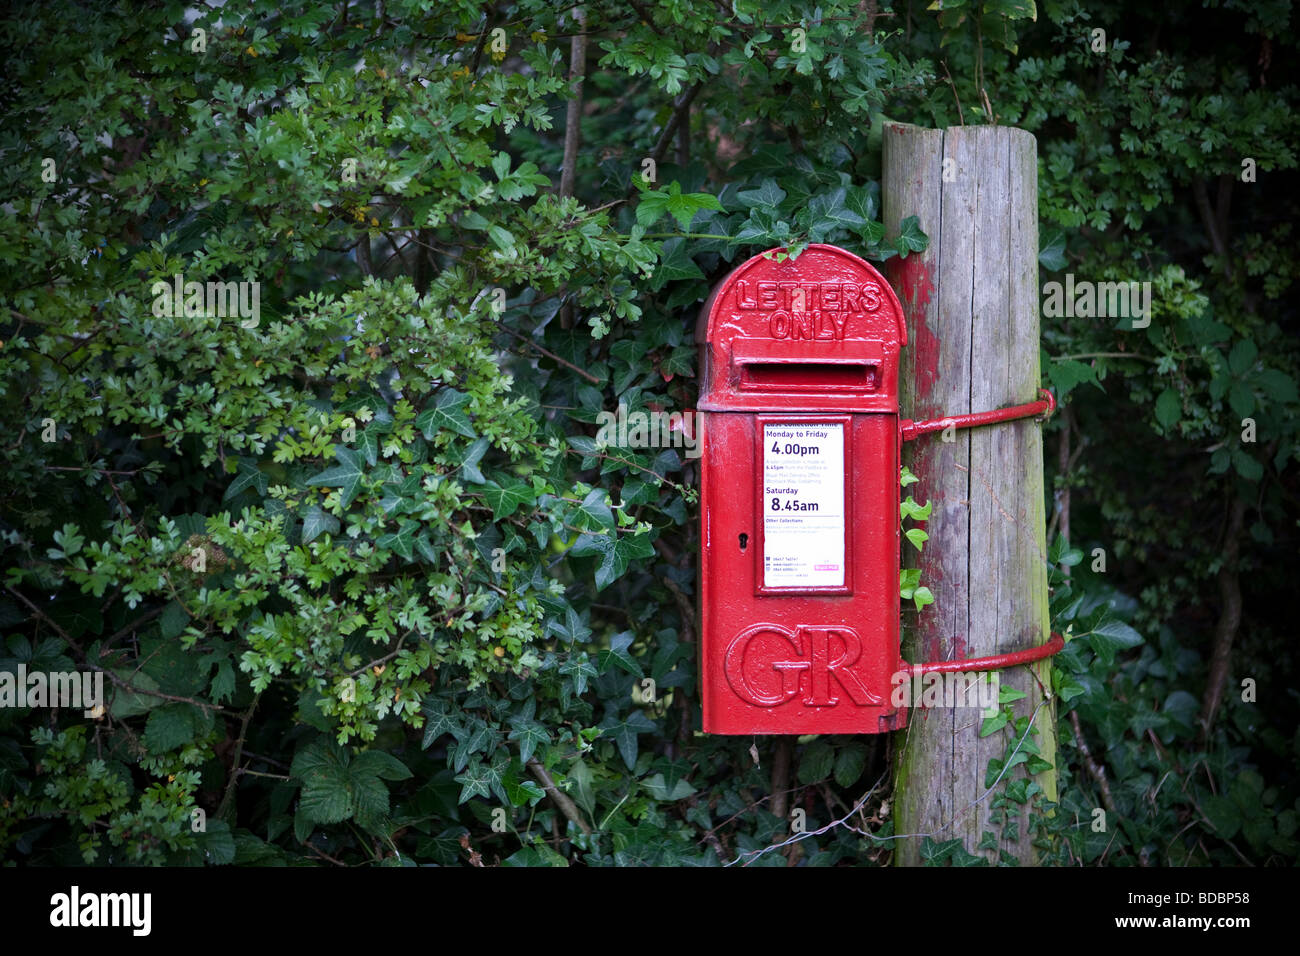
pixel 799 535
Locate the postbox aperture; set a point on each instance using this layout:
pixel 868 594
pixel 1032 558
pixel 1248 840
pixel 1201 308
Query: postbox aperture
pixel 799 497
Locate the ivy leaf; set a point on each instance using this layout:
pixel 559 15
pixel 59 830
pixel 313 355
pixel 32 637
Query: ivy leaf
pixel 402 540
pixel 484 780
pixel 469 463
pixel 1070 689
pixel 859 200
pixel 475 781
pixel 579 668
pixel 530 735
pixel 602 544
pixel 995 723
pixel 849 764
pixel 768 195
pixel 426 548
pixel 248 476
pixel 910 237
pixel 658 787
pixel 571 629
pixel 910 509
pixel 828 212
pixel 584 794
pixel 523 793
pixel 316 522
pixel 616 551
pixel 368 440
pixel 1052 255
pixel 921 596
pixel 346 475
pixel 934 853
pixel 437 721
pixel 534 856
pixel 597 512
pixel 618 653
pixel 675 262
pixel 481 737
pixel 631 546
pixel 446 413
pixel 506 501
pixel 624 733
pixel 1036 765
pixel 1009 695
pixel 587 445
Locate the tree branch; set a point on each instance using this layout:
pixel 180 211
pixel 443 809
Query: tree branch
pixel 551 355
pixel 681 108
pixel 573 114
pixel 235 770
pixel 559 797
pixel 1210 222
pixel 1225 631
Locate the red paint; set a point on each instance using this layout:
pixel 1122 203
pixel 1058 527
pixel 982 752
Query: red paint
pixel 1044 407
pixel 994 663
pixel 809 348
pixel 799 520
pixel 912 275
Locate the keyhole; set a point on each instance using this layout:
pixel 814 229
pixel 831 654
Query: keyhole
pixel 744 541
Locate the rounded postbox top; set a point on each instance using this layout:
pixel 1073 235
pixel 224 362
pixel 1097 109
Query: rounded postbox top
pixel 820 333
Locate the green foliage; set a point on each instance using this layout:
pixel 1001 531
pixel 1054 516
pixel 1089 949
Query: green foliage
pixel 356 567
pixel 363 579
pixel 909 579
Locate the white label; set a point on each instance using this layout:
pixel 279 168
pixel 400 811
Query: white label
pixel 803 505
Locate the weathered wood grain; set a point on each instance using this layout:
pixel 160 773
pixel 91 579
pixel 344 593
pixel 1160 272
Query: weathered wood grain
pixel 971 303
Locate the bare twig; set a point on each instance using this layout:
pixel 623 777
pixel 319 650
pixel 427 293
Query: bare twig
pixel 235 770
pixel 782 751
pixel 573 114
pixel 961 118
pixel 1225 630
pixel 1095 769
pixel 558 796
pixel 551 355
pixel 117 681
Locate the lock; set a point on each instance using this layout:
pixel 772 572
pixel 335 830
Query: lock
pixel 799 497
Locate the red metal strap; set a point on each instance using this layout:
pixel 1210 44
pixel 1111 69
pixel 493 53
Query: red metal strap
pixel 1041 409
pixel 994 663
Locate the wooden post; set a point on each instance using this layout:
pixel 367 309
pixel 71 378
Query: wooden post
pixel 971 304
